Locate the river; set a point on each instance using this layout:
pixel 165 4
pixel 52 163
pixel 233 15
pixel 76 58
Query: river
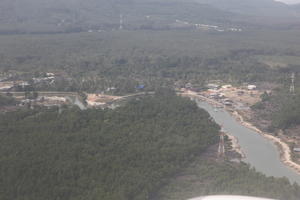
pixel 260 152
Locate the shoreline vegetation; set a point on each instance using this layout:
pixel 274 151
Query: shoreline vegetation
pixel 235 145
pixel 284 149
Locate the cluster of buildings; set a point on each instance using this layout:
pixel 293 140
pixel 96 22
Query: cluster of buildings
pixel 216 28
pixel 9 84
pixel 205 27
pixel 214 92
pixel 47 101
pixel 229 95
pixel 25 97
pixel 50 77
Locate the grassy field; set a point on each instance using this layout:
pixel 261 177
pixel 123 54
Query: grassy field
pixel 279 61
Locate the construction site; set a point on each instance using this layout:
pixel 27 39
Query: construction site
pixel 240 98
pixel 100 99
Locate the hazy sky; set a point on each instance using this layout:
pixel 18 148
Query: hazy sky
pixel 290 1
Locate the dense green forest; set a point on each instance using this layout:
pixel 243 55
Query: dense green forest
pixel 127 153
pixel 95 61
pixel 288 114
pixel 203 177
pixel 131 152
pixel 280 107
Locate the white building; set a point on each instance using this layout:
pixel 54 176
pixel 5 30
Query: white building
pixel 50 74
pixel 212 86
pixel 226 86
pixel 251 87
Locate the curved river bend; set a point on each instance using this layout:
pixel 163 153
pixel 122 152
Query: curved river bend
pixel 260 152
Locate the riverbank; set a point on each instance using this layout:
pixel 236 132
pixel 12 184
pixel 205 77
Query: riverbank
pixel 284 149
pixel 285 152
pixel 235 145
pixel 234 141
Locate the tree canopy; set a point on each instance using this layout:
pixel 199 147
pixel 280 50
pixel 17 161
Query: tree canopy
pixel 127 153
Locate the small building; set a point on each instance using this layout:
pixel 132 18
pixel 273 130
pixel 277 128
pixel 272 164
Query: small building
pixel 251 87
pixel 213 95
pixel 111 89
pixel 48 74
pixel 24 84
pixel 221 95
pixel 140 87
pixel 296 150
pixel 212 86
pixel 188 85
pixel 226 86
pixel 228 102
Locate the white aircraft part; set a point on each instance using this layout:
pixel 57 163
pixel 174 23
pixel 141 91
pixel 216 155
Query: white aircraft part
pixel 228 197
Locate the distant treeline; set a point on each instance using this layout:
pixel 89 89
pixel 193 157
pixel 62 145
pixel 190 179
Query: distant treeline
pixel 93 62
